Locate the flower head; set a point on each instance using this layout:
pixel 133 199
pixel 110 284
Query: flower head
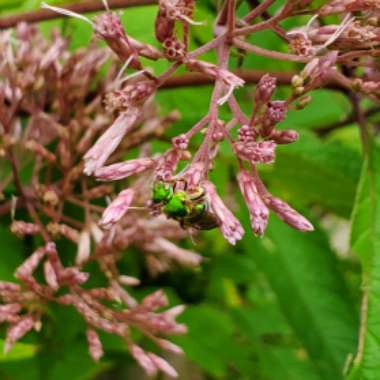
pixel 229 225
pixel 258 211
pixel 288 214
pixel 124 169
pixel 96 157
pixel 117 209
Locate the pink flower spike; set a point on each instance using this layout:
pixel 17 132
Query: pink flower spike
pixel 25 270
pixel 163 365
pixel 265 89
pixel 169 346
pixel 229 225
pixel 262 152
pixel 156 300
pixel 17 331
pixel 109 141
pixel 84 247
pixel 95 346
pixel 144 360
pixel 117 209
pixel 182 256
pixel 9 311
pixel 288 214
pixel 284 137
pixel 259 213
pixel 50 276
pixel 124 169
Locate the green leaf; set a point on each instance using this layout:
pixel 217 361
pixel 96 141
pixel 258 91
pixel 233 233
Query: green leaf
pixel 72 363
pixel 325 107
pixel 26 369
pixel 19 351
pixel 313 171
pixel 365 241
pixel 10 254
pixel 302 271
pixel 210 332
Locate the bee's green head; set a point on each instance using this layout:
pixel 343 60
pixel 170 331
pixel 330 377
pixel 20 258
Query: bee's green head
pixel 162 192
pixel 176 207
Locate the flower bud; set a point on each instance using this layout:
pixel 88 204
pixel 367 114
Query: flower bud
pixel 21 229
pixel 51 276
pixel 259 213
pixel 124 169
pixel 164 26
pixel 265 89
pixel 163 365
pixel 262 152
pixel 144 360
pixel 109 141
pixel 117 209
pixel 180 142
pixel 288 214
pixel 284 137
pixel 17 331
pixel 84 247
pixel 229 225
pixel 95 346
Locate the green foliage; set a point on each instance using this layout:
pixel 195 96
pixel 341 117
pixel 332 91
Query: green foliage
pixel 323 173
pixel 11 254
pixel 311 291
pixel 365 241
pixel 277 308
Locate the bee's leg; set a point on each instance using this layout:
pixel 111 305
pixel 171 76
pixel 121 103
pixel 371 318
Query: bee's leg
pixel 182 224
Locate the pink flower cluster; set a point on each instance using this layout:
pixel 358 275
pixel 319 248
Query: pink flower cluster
pixel 41 80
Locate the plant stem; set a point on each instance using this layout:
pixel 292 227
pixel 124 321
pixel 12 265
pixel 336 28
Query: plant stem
pixel 82 7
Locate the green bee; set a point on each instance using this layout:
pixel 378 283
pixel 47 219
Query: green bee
pixel 190 209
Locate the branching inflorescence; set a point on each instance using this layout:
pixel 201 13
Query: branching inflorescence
pixel 73 125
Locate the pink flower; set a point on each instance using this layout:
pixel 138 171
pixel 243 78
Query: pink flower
pixel 51 276
pixel 247 133
pixel 167 164
pixel 231 80
pixel 163 365
pixel 168 346
pixel 132 95
pixel 318 69
pixel 180 255
pixel 109 141
pixel 154 301
pixel 9 311
pixel 124 169
pixel 229 225
pixel 181 142
pixel 265 89
pixel 20 228
pixel 17 331
pixel 73 276
pixel 95 347
pixel 25 270
pixel 194 174
pixel 284 137
pixel 262 152
pixel 144 360
pixel 288 214
pixel 84 247
pixel 117 209
pixel 259 213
